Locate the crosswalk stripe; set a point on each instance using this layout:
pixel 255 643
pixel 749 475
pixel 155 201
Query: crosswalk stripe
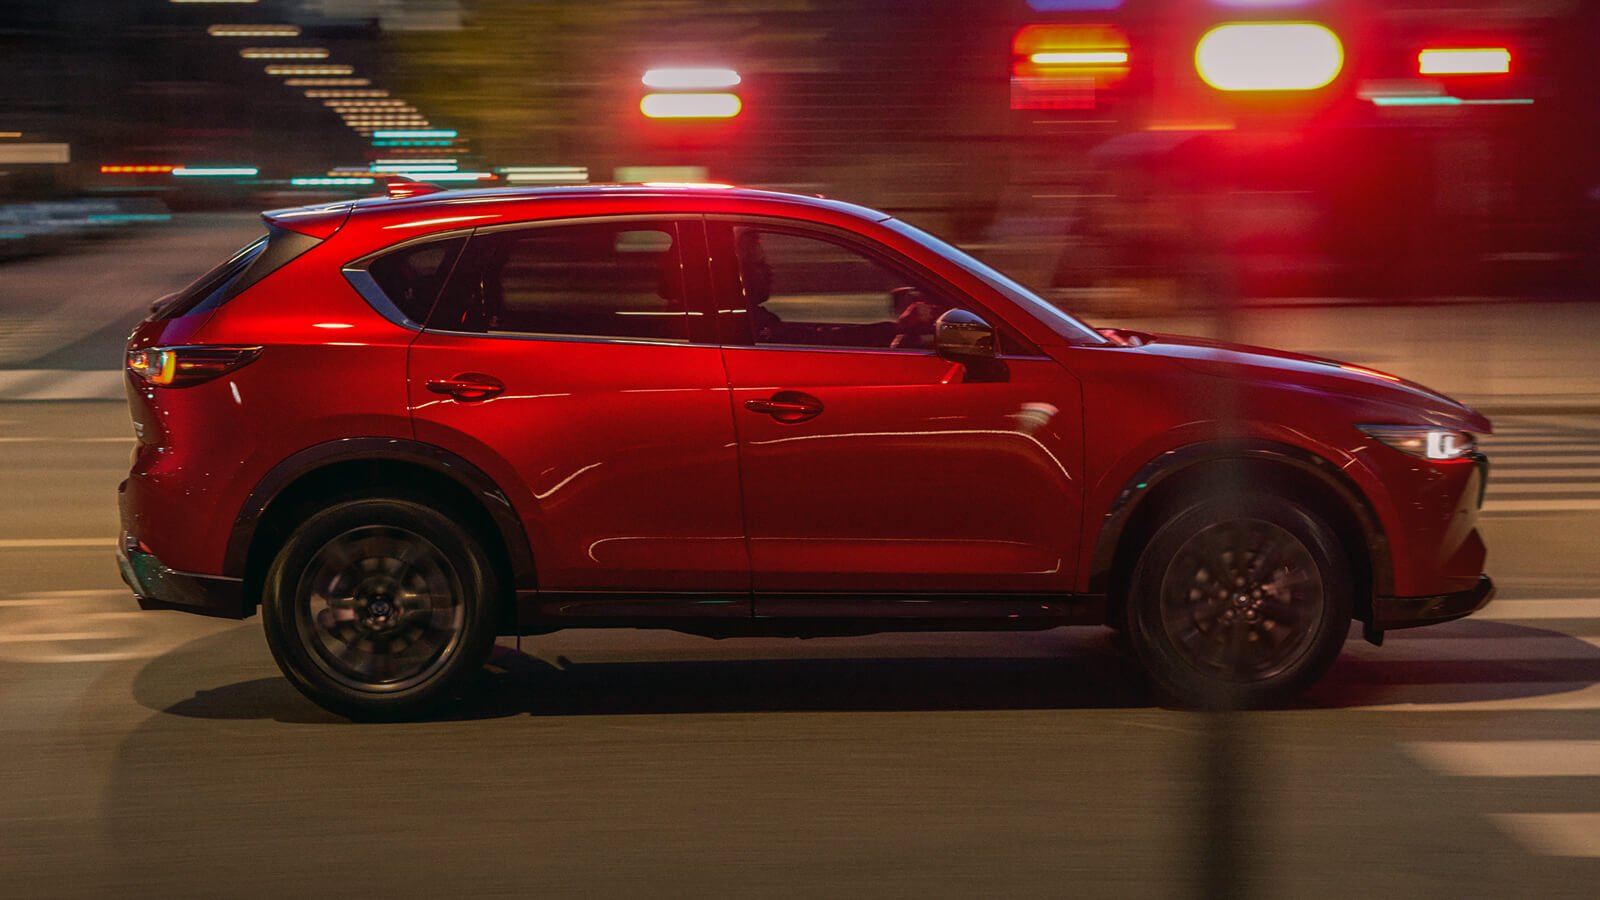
pixel 1564 608
pixel 1554 834
pixel 1511 759
pixel 1525 476
pixel 46 543
pixel 1483 696
pixel 1493 507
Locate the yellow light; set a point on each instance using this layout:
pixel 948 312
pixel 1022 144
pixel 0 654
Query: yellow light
pixel 1080 58
pixel 284 53
pixel 1269 56
pixel 319 94
pixel 690 106
pixel 310 70
pixel 328 82
pixel 1486 61
pixel 254 31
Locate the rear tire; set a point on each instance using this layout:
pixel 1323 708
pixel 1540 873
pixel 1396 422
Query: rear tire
pixel 380 608
pixel 1239 602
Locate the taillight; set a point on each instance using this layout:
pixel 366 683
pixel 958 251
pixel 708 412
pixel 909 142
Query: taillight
pixel 185 366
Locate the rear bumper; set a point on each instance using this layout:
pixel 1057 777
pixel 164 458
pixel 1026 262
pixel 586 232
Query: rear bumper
pixel 158 586
pixel 1411 612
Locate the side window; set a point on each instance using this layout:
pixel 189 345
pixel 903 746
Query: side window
pixel 600 280
pixel 412 277
pixel 807 291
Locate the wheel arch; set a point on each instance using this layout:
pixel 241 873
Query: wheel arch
pixel 321 473
pixel 1196 468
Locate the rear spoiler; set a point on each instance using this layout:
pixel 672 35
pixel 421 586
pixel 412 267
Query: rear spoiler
pixel 320 222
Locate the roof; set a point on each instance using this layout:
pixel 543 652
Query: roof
pixel 664 189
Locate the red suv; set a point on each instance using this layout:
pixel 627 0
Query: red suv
pixel 404 426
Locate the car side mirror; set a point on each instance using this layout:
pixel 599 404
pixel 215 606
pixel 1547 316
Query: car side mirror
pixel 963 337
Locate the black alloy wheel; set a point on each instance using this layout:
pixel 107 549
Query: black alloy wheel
pixel 1239 602
pixel 379 608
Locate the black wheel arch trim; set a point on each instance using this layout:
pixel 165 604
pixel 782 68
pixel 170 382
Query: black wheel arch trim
pixel 388 449
pixel 1150 476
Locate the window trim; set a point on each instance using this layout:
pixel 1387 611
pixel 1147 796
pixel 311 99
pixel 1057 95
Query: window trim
pixel 689 231
pixel 849 240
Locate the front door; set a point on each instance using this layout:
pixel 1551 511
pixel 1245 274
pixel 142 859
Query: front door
pixel 868 463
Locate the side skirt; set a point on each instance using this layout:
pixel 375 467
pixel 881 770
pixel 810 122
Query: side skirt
pixel 804 614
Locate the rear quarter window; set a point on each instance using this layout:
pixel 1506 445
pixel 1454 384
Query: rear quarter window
pixel 402 283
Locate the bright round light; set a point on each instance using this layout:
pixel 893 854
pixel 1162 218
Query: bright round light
pixel 1269 56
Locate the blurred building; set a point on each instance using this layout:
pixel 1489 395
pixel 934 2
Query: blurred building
pixel 1074 139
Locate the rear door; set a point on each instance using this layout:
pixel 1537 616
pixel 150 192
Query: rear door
pixel 567 358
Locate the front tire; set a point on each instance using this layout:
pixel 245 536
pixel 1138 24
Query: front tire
pixel 1239 602
pixel 379 608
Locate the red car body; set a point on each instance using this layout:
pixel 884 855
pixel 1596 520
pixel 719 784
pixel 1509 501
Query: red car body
pixel 631 482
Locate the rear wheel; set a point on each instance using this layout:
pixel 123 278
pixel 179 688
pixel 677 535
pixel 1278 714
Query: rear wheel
pixel 379 608
pixel 1239 602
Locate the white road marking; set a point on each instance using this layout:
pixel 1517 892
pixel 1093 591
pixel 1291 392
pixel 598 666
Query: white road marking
pixel 1543 646
pixel 60 636
pixel 1555 504
pixel 1536 487
pixel 1526 476
pixel 1523 696
pixel 1554 834
pixel 1568 608
pixel 1511 759
pixel 47 543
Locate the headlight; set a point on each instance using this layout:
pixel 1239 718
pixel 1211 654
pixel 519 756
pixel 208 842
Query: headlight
pixel 1423 441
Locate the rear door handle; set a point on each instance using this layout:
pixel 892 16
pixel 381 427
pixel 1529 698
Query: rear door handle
pixel 468 387
pixel 787 407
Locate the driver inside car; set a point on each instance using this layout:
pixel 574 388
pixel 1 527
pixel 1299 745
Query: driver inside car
pixel 912 327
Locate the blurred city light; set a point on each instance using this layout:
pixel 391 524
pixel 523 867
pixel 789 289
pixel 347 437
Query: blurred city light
pixel 215 171
pixel 136 169
pixel 254 30
pixel 330 181
pixel 701 79
pixel 690 106
pixel 284 53
pixel 1073 5
pixel 310 70
pixel 1269 56
pixel 544 174
pixel 415 133
pixel 1484 61
pixel 328 82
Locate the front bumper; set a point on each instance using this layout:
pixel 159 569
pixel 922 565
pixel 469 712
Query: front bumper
pixel 158 586
pixel 1411 612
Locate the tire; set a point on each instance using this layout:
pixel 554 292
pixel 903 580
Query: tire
pixel 380 608
pixel 1239 602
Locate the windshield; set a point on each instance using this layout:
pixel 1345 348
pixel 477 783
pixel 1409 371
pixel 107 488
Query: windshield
pixel 1060 322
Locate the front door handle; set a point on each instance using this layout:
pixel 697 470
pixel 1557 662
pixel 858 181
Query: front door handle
pixel 468 387
pixel 787 407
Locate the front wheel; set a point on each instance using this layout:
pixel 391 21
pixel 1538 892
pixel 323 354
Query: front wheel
pixel 379 608
pixel 1239 602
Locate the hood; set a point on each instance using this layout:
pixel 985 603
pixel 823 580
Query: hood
pixel 1304 372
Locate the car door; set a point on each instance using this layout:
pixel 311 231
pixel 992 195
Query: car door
pixel 565 357
pixel 868 463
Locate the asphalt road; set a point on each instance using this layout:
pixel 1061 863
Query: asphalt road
pixel 159 754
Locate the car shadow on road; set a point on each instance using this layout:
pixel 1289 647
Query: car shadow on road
pixel 1091 672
